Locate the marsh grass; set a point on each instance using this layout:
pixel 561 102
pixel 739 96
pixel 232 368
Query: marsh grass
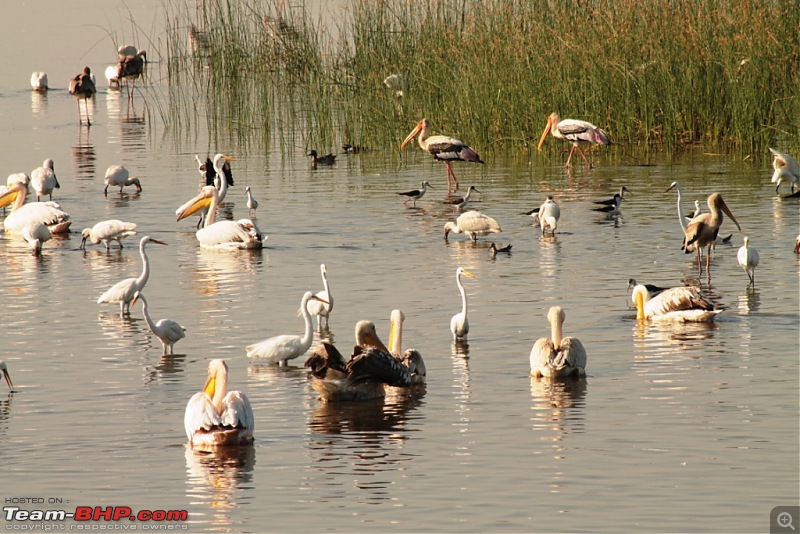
pixel 655 75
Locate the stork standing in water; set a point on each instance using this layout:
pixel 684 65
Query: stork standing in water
pixel 576 132
pixel 702 230
pixel 442 148
pixel 81 86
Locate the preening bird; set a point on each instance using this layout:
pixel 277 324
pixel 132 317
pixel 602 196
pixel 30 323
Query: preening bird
pixel 416 194
pixel 131 67
pixel 36 234
pixel 459 324
pixel 28 215
pixel 6 375
pixel 216 417
pixel 39 82
pixel 281 349
pixel 785 168
pixel 613 200
pixel 82 87
pixel 252 204
pixel 124 290
pixel 44 179
pixel 474 224
pixel 107 231
pixel 118 176
pixel 461 202
pixel 442 148
pixel 328 159
pixel 322 306
pixel 576 132
pixel 167 331
pixel 560 356
pixel 676 304
pixel 702 230
pixel 748 260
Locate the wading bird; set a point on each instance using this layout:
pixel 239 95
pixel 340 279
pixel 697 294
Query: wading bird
pixel 322 306
pixel 39 82
pixel 683 220
pixel 702 230
pixel 112 77
pixel 36 234
pixel 124 290
pixel 613 200
pixel 459 324
pixel 576 132
pixel 26 215
pixel 611 210
pixel 461 202
pixel 548 215
pixel 130 68
pixel 786 168
pixel 416 194
pixel 81 86
pixel 252 204
pixel 560 356
pixel 328 159
pixel 216 417
pixel 442 148
pixel 697 211
pixel 280 349
pixel 167 331
pixel 44 179
pixel 118 176
pixel 797 245
pixel 107 231
pixel 677 304
pixel 474 224
pixel 6 375
pixel 748 260
pixel 209 173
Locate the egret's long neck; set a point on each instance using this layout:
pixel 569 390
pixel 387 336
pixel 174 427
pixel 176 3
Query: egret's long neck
pixel 463 296
pixel 308 334
pixel 680 209
pixel 327 291
pixel 146 314
pixel 142 280
pixel 555 332
pixel 223 183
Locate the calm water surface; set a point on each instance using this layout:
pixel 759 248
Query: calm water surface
pixel 675 428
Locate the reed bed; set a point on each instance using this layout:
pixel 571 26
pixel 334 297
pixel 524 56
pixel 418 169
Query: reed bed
pixel 659 75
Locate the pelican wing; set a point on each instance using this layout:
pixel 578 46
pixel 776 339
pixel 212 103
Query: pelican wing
pixel 570 355
pixel 678 299
pixel 237 413
pixel 200 415
pixel 785 167
pixel 326 362
pixel 38 213
pixel 541 355
pixel 376 365
pixel 231 234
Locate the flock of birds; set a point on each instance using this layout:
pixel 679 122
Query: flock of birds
pixel 216 416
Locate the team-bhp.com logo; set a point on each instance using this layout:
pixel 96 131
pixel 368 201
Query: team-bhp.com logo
pixel 89 514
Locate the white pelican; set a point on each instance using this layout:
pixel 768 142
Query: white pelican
pixel 322 306
pixel 702 230
pixel 36 234
pixel 678 304
pixel 461 202
pixel 493 249
pixel 459 324
pixel 18 178
pixel 328 159
pixel 416 194
pixel 81 86
pixel 612 210
pixel 576 132
pixel 548 215
pixel 44 179
pixel 167 331
pixel 748 259
pixel 124 290
pixel 613 200
pixel 217 417
pixel 112 77
pixel 131 67
pixel 23 215
pixel 442 148
pixel 474 224
pixel 364 377
pixel 252 204
pixel 411 358
pixel 107 231
pixel 560 356
pixel 212 173
pixel 4 370
pixel 39 81
pixel 281 349
pixel 118 176
pixel 786 168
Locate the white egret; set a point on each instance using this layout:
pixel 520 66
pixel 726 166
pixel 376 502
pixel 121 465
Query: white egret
pixel 118 176
pixel 107 231
pixel 44 179
pixel 474 224
pixel 124 290
pixel 281 349
pixel 167 331
pixel 252 203
pixel 702 230
pixel 576 132
pixel 36 234
pixel 785 168
pixel 549 214
pixel 6 375
pixel 442 148
pixel 559 356
pixel 416 194
pixel 39 81
pixel 26 215
pixel 82 87
pixel 748 260
pixel 459 324
pixel 697 211
pixel 322 306
pixel 677 304
pixel 216 417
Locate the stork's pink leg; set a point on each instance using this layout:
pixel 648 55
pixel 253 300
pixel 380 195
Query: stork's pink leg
pixel 571 150
pixel 449 174
pixel 584 156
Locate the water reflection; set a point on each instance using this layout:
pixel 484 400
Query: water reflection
pixel 5 411
pixel 750 301
pixel 166 369
pixel 38 102
pixel 214 479
pixel 123 332
pixel 219 270
pixel 558 405
pixel 84 157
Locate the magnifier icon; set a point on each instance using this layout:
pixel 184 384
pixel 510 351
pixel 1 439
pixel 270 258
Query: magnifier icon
pixel 785 520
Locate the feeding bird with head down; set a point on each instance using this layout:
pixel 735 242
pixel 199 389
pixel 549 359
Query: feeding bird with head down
pixel 557 357
pixel 785 168
pixel 124 291
pixel 6 375
pixel 474 224
pixel 676 304
pixel 107 231
pixel 576 132
pixel 118 176
pixel 442 148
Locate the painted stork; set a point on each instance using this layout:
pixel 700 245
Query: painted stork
pixel 576 132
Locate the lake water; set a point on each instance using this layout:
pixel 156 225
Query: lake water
pixel 675 428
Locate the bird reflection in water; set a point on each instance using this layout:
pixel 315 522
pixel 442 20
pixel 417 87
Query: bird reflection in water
pixel 167 369
pixel 750 301
pixel 84 157
pixel 217 479
pixel 364 419
pixel 558 405
pixel 220 269
pixel 667 351
pixel 38 102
